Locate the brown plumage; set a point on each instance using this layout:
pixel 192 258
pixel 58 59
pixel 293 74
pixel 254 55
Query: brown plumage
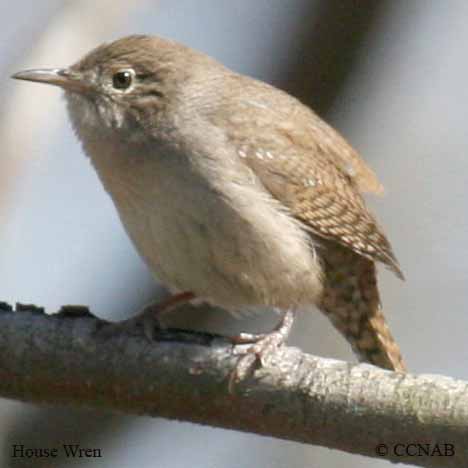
pixel 312 170
pixel 231 189
pixel 351 302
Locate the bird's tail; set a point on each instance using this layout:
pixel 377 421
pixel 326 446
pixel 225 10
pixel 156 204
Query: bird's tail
pixel 351 301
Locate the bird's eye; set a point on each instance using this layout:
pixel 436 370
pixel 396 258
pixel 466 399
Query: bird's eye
pixel 122 80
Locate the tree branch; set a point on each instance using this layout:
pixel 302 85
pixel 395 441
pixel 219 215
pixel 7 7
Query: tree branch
pixel 62 359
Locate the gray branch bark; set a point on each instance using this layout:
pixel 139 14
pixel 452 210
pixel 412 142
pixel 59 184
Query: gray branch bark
pixel 63 359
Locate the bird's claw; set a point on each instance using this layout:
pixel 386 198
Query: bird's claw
pixel 261 348
pixel 147 320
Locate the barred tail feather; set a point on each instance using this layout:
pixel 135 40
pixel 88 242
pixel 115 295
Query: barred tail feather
pixel 351 301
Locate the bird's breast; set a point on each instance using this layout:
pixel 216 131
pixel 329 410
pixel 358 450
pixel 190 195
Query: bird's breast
pixel 232 244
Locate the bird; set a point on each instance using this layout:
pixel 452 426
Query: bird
pixel 232 191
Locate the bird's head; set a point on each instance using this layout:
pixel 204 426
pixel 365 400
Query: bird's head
pixel 131 87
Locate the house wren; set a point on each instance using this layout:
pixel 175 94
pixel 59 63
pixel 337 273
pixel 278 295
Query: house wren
pixel 231 190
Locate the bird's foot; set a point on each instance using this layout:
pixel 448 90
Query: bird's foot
pixel 147 320
pixel 262 347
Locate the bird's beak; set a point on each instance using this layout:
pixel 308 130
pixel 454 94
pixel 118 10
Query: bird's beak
pixel 63 77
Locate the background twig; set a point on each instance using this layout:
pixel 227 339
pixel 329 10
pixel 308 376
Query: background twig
pixel 62 359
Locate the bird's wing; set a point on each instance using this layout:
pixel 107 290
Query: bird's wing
pixel 309 168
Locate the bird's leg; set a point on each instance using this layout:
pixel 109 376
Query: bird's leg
pixel 148 318
pixel 263 345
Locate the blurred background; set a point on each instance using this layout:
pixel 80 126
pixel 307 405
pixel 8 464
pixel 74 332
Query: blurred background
pixel 390 75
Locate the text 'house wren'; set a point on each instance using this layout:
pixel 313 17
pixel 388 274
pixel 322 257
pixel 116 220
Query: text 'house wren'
pixel 231 190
